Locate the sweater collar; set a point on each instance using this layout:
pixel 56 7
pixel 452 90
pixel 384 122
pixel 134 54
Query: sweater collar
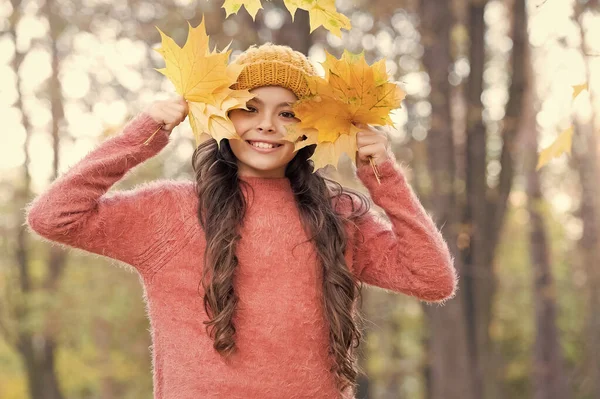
pixel 269 184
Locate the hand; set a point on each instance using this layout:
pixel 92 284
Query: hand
pixel 371 143
pixel 169 113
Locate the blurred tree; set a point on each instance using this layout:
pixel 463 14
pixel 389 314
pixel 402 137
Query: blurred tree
pixel 585 155
pixel 550 381
pixel 477 278
pixel 450 371
pixel 36 347
pixel 486 206
pixel 474 238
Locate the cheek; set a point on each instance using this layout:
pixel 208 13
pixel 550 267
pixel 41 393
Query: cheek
pixel 237 125
pixel 288 151
pixel 239 120
pixel 237 147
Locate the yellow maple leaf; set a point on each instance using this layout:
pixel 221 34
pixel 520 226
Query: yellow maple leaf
pixel 203 77
pixel 561 145
pixel 564 140
pixel 321 13
pixel 577 89
pixel 233 6
pixel 327 153
pixel 351 93
pixel 326 115
pixel 300 137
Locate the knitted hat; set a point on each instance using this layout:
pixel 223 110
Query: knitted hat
pixel 274 65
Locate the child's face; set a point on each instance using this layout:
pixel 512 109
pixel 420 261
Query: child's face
pixel 265 121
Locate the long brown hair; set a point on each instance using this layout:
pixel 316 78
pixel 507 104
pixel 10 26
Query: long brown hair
pixel 221 210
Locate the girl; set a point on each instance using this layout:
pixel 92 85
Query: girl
pixel 251 272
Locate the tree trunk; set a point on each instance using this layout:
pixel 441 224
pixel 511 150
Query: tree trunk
pixel 585 154
pixel 101 336
pixel 585 158
pixel 479 284
pixel 449 372
pixel 38 357
pixel 485 207
pixel 37 348
pixel 549 376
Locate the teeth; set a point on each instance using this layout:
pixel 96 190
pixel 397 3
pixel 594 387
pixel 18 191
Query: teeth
pixel 262 145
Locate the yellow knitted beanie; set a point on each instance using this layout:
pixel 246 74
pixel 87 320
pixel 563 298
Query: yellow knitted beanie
pixel 274 65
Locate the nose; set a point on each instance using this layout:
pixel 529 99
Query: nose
pixel 266 124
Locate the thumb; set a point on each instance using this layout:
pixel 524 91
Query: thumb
pixel 183 102
pixel 357 160
pixel 168 126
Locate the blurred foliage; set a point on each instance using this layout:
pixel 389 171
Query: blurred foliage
pixel 98 312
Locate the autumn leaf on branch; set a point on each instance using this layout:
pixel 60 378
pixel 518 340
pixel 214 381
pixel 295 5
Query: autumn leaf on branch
pixel 351 93
pixel 561 145
pixel 564 141
pixel 233 6
pixel 577 89
pixel 321 12
pixel 203 78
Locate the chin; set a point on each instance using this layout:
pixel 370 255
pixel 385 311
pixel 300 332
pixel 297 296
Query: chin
pixel 265 167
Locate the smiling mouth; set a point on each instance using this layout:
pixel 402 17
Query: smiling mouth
pixel 263 145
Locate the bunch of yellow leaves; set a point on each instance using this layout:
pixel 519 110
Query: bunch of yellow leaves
pixel 321 12
pixel 351 93
pixel 203 78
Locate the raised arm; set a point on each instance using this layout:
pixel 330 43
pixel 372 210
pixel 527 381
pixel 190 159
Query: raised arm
pixel 408 256
pixel 77 211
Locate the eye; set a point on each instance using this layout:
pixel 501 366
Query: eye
pixel 251 108
pixel 288 114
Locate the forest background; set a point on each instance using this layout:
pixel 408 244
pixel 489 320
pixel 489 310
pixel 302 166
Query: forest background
pixel 489 84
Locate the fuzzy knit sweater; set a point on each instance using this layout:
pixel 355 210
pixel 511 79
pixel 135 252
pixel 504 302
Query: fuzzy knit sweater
pixel 281 330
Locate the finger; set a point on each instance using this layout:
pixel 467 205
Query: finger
pixel 363 140
pixel 172 124
pixel 178 99
pixel 186 107
pixel 369 132
pixel 370 150
pixel 176 107
pixel 178 103
pixel 183 110
pixel 162 116
pixel 182 101
pixel 175 112
pixel 172 119
pixel 172 114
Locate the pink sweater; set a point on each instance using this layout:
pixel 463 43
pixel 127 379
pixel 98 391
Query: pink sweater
pixel 281 333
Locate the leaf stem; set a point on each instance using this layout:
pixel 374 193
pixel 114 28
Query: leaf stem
pixel 375 170
pixel 149 139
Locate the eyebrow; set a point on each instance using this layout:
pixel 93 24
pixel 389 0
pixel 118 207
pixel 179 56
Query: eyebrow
pixel 285 103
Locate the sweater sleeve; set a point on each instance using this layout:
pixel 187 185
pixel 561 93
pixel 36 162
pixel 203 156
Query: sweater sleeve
pixel 77 211
pixel 410 256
